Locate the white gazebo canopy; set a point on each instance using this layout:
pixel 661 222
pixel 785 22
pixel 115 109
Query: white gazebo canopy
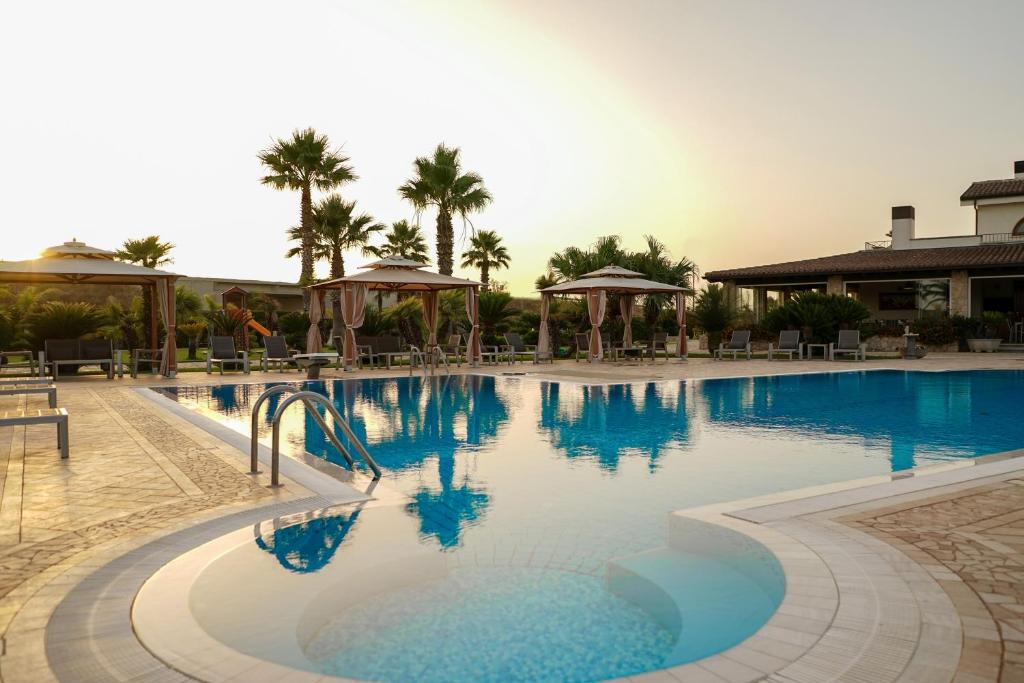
pixel 400 275
pixel 75 262
pixel 625 283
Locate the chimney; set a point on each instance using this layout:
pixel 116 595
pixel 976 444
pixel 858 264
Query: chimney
pixel 1018 170
pixel 902 226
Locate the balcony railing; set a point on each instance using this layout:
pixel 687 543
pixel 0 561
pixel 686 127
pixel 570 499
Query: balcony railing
pixel 882 244
pixel 1001 237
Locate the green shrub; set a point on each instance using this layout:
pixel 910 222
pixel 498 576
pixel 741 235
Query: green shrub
pixel 294 325
pixel 934 330
pixel 62 320
pixel 714 313
pixel 818 316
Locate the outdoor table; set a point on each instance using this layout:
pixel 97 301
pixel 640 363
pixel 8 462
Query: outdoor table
pixel 639 349
pixel 313 362
pixel 824 351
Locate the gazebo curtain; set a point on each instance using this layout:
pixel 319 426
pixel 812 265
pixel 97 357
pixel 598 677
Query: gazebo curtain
pixel 543 342
pixel 430 305
pixel 626 309
pixel 474 352
pixel 353 306
pixel 169 349
pixel 681 350
pixel 596 300
pixel 313 342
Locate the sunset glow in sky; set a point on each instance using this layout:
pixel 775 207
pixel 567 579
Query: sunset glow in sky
pixel 737 132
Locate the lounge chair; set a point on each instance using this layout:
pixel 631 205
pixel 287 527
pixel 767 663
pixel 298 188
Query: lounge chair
pixel 149 357
pixel 57 352
pixel 849 343
pixel 26 359
pixel 659 343
pixel 54 416
pixel 275 350
pixel 582 345
pixel 789 343
pixel 222 352
pixel 515 347
pixel 30 387
pixel 453 347
pixel 738 343
pixel 389 348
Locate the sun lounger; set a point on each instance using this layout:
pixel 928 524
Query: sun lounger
pixel 54 416
pixel 789 343
pixel 738 343
pixel 31 388
pixel 222 352
pixel 26 360
pixel 275 350
pixel 515 347
pixel 849 343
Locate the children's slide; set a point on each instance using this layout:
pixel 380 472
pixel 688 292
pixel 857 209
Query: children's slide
pixel 259 328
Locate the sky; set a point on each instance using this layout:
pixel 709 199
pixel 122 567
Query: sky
pixel 738 133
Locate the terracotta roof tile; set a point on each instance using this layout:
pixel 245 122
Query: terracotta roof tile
pixel 991 189
pixel 885 260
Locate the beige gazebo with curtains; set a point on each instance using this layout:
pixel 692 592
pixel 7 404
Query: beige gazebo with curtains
pixel 394 274
pixel 74 263
pixel 596 287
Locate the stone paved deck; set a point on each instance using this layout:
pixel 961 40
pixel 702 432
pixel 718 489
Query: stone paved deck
pixel 138 472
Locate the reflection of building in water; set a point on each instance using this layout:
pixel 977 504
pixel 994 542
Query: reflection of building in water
pixel 912 412
pixel 607 422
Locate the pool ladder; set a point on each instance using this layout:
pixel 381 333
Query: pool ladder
pixel 309 400
pixel 430 360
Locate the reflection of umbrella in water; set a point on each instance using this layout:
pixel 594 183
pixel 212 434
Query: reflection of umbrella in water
pixel 309 547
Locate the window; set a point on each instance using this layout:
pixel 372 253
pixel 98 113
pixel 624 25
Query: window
pixel 1019 228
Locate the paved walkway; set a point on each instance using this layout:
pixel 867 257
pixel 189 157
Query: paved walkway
pixel 138 472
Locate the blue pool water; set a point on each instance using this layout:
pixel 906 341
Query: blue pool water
pixel 533 539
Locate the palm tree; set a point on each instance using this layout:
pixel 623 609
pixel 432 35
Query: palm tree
pixel 440 182
pixel 302 163
pixel 573 263
pixel 404 240
pixel 656 264
pixel 337 228
pixel 486 252
pixel 151 253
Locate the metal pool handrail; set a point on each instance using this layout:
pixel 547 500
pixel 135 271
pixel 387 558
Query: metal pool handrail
pixel 254 448
pixel 308 399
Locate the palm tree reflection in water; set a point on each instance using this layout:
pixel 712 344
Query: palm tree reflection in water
pixel 411 423
pixel 610 421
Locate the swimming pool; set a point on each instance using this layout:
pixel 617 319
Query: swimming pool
pixel 533 543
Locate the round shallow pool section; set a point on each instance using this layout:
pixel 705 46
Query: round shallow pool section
pixel 530 540
pixel 389 608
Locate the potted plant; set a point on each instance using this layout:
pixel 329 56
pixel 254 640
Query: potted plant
pixel 987 334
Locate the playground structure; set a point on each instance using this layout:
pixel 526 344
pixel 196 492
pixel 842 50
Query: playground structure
pixel 239 298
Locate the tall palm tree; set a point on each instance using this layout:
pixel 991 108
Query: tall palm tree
pixel 404 240
pixel 151 253
pixel 439 182
pixel 336 229
pixel 486 251
pixel 302 163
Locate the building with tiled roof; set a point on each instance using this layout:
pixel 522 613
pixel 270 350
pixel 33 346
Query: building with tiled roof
pixel 909 276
